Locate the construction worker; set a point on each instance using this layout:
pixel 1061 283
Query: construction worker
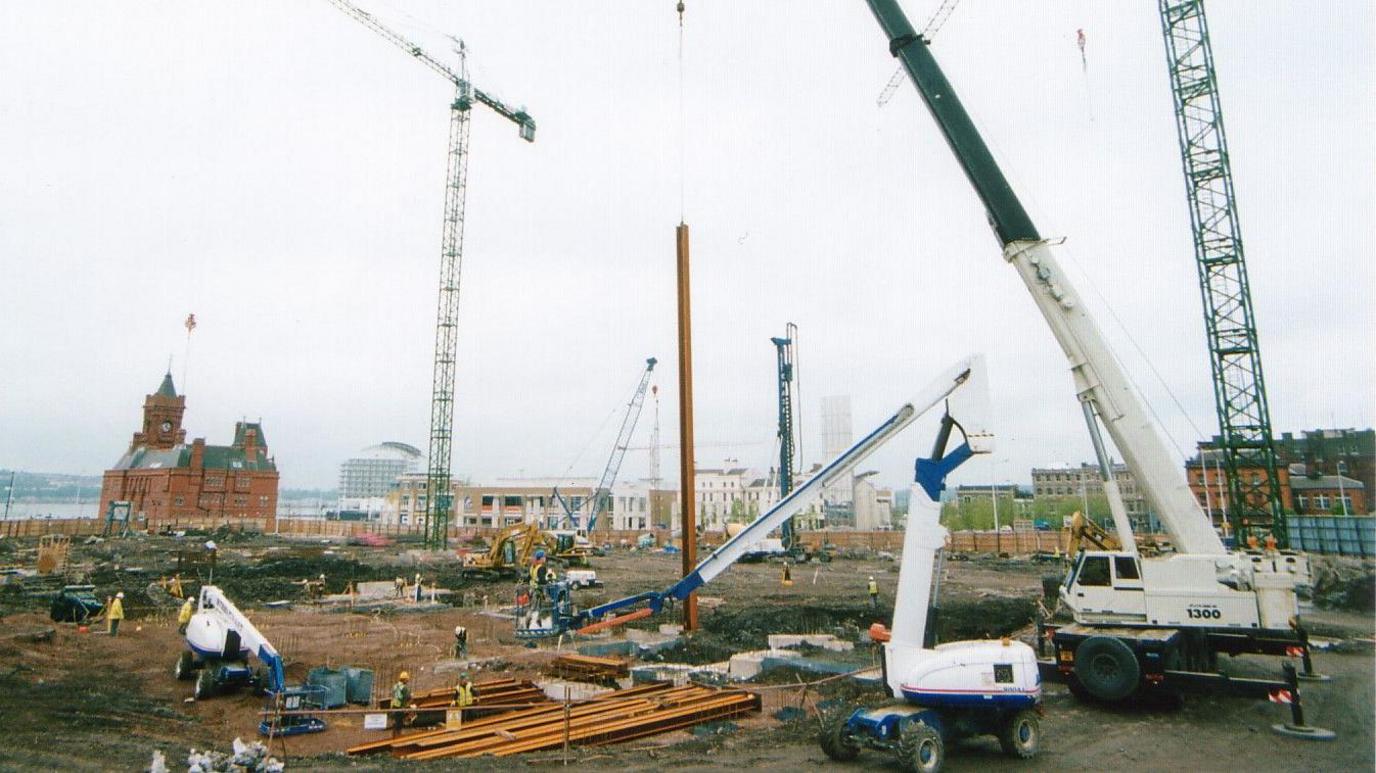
pixel 176 589
pixel 399 585
pixel 788 576
pixel 417 587
pixel 874 593
pixel 465 692
pixel 184 616
pixel 540 573
pixel 460 642
pixel 401 698
pixel 115 613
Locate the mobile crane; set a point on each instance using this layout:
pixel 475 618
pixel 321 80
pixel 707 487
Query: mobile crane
pixel 220 639
pixel 1137 619
pixel 942 693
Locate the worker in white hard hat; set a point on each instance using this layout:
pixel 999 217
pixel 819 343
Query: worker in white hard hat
pixel 873 588
pixel 115 613
pixel 184 615
pixel 460 642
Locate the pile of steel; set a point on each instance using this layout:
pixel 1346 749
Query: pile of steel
pixel 621 716
pixel 504 692
pixel 589 669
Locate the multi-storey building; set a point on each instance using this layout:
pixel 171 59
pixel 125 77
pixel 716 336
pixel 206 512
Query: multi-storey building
pixel 164 478
pixel 1084 481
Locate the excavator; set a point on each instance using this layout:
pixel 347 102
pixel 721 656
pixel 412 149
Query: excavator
pixel 514 548
pixel 510 553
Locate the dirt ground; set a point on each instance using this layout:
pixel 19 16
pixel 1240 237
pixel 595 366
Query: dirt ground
pixel 86 701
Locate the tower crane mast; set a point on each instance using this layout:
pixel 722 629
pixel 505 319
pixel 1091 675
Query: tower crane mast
pixel 1244 416
pixel 787 414
pixel 451 260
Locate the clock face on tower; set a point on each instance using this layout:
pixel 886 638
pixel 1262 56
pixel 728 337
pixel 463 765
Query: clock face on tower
pixel 167 426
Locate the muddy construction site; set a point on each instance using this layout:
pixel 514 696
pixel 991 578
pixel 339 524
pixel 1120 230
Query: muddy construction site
pixel 75 698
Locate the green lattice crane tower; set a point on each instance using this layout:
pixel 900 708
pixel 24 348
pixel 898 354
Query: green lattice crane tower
pixel 439 493
pixel 787 423
pixel 1244 417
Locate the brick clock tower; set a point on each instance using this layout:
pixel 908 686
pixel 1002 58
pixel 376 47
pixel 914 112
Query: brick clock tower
pixel 162 418
pixel 165 479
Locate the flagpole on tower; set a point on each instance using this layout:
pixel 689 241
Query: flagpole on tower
pixel 190 325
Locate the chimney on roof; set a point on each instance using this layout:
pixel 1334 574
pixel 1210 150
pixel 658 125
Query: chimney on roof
pixel 198 453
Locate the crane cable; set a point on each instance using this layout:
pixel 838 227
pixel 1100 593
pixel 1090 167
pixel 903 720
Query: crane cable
pixel 682 124
pixel 934 25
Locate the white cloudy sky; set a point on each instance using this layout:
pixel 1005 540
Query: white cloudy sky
pixel 278 169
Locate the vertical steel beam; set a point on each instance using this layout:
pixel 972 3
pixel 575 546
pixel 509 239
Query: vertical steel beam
pixel 686 469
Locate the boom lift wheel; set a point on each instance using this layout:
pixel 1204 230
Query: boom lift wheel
pixel 836 742
pixel 205 682
pixel 1021 734
pixel 1107 668
pixel 185 670
pixel 920 749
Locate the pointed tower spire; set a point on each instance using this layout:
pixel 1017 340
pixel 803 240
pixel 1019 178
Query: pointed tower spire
pixel 165 388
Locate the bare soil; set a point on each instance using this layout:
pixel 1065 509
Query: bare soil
pixel 86 701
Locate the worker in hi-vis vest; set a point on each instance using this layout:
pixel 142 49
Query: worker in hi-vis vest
pixel 874 593
pixel 115 614
pixel 465 692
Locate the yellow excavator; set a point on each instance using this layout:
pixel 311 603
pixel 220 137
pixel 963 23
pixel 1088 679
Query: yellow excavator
pixel 1084 530
pixel 511 552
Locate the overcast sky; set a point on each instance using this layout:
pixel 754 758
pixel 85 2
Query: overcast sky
pixel 278 169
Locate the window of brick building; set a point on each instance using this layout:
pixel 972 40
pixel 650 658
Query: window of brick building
pixel 242 482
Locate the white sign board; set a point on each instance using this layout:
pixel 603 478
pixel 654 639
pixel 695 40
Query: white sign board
pixel 374 721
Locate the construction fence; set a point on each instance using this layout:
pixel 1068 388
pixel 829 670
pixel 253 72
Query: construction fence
pixel 1338 535
pixel 1019 542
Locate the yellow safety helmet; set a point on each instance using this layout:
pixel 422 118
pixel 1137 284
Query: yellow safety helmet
pixel 404 676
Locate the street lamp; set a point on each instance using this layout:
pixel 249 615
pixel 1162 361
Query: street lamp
pixel 1342 497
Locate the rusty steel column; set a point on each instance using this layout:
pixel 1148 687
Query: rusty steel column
pixel 685 429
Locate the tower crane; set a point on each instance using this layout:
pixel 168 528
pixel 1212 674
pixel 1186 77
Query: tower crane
pixel 1244 416
pixel 601 496
pixel 451 259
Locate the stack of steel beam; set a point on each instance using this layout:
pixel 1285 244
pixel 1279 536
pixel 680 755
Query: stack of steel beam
pixel 612 718
pixel 505 692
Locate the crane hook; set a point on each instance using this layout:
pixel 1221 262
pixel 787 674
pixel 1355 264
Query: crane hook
pixel 680 13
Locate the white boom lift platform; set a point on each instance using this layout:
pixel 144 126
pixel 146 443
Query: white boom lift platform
pixel 950 691
pixel 220 639
pixel 1137 618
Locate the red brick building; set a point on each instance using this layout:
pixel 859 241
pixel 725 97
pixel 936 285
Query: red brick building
pixel 164 478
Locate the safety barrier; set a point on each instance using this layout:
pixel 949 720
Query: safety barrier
pixel 1341 535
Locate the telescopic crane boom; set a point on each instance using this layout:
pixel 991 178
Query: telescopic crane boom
pixel 1103 388
pixel 451 261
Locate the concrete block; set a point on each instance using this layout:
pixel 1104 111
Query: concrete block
pixel 779 641
pixel 557 689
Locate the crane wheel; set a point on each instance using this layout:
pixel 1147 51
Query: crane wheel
pixel 1020 735
pixel 185 670
pixel 836 742
pixel 920 749
pixel 1107 668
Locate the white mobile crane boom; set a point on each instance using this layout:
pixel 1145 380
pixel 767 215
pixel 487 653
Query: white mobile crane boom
pixel 1188 605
